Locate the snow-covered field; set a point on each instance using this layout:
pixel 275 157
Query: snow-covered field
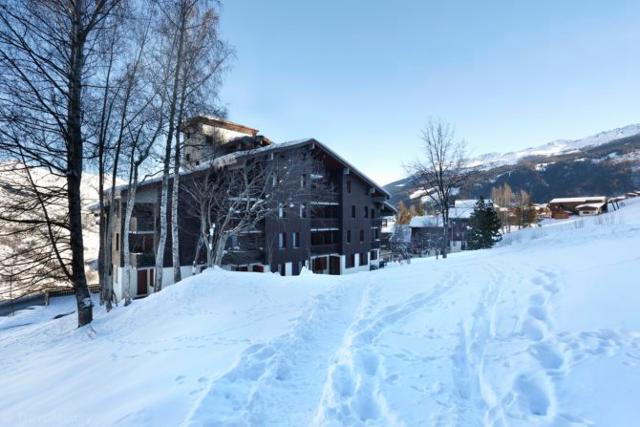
pixel 543 330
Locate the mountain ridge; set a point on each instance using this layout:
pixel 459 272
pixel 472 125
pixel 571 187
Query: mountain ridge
pixel 607 161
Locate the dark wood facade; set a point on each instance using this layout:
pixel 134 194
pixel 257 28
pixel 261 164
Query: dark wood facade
pixel 335 234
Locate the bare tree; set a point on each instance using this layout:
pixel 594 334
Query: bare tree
pixel 502 197
pixel 240 191
pixel 195 55
pixel 46 49
pixel 442 171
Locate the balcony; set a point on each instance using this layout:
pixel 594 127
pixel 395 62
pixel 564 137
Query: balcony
pixel 325 223
pixel 325 249
pixel 376 222
pixel 139 260
pixel 326 199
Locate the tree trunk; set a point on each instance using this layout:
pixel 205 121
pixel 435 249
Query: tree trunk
pixel 175 231
pixel 167 155
pixel 74 169
pixel 219 248
pixel 131 200
pixel 445 231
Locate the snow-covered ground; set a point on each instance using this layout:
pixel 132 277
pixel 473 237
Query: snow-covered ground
pixel 542 330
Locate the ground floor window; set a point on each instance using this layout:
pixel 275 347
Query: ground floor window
pixel 351 261
pixel 374 255
pixel 364 258
pixel 319 264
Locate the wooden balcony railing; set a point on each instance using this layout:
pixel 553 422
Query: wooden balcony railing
pixel 323 223
pixel 325 249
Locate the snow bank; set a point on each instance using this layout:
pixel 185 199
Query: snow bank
pixel 542 330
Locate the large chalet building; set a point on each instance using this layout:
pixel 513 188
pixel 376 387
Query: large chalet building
pixel 336 233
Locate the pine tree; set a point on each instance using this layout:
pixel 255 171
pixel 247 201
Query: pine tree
pixel 485 226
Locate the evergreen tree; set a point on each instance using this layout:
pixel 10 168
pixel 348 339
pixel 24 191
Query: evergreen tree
pixel 485 226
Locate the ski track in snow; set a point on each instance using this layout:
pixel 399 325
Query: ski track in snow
pixel 331 368
pixel 286 372
pixel 536 333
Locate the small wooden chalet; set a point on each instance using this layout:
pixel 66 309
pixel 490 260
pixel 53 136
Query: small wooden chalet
pixel 564 207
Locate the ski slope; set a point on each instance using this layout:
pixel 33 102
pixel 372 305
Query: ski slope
pixel 542 330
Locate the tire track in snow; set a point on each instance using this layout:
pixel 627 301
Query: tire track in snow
pixel 352 394
pixel 287 372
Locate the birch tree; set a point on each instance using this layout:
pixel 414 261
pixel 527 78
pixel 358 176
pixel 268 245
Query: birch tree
pixel 441 172
pixel 194 52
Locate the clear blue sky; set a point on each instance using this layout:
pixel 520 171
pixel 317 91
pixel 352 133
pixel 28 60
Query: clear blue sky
pixel 364 76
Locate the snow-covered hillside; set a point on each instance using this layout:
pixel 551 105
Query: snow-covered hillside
pixel 542 330
pixel 553 148
pixel 89 191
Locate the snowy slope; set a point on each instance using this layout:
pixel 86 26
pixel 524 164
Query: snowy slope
pixel 543 330
pixel 553 148
pixel 89 190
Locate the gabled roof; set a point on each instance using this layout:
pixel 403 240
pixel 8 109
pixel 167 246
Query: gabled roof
pixel 231 158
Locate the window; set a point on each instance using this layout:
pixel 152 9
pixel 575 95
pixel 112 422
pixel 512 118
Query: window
pixel 117 241
pixel 281 212
pixel 364 260
pixel 348 236
pixel 353 211
pixel 348 186
pixel 296 239
pixel 208 139
pixel 303 211
pixel 283 269
pixel 366 211
pixel 282 240
pixel 361 236
pixel 373 212
pixel 303 181
pixel 350 261
pixel 374 255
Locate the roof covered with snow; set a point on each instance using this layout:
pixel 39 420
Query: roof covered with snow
pixel 587 199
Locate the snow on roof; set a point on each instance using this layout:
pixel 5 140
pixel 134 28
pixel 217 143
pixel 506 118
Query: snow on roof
pixel 426 221
pixel 469 203
pixel 460 213
pixel 590 206
pixel 417 193
pixel 231 158
pixel 587 199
